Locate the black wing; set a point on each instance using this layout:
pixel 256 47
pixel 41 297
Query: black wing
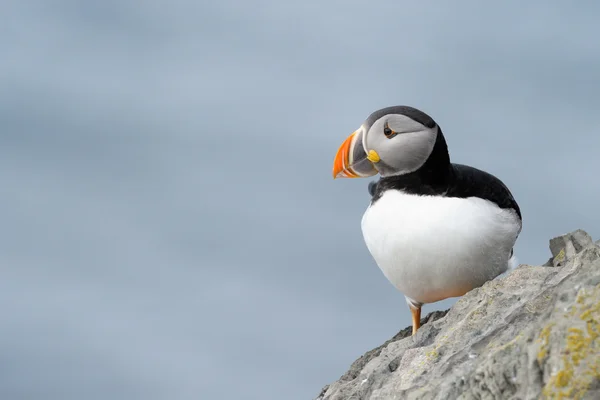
pixel 471 181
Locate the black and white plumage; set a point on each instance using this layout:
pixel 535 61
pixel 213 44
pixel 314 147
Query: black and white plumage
pixel 372 188
pixel 435 229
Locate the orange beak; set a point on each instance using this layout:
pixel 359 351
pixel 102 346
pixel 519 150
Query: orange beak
pixel 351 160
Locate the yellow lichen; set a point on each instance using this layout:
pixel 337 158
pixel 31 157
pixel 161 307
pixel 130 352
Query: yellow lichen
pixel 563 378
pixel 581 353
pixel 499 347
pixel 560 257
pixel 544 339
pixel 576 341
pixel 432 354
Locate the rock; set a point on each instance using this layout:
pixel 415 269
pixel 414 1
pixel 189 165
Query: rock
pixel 359 364
pixel 566 246
pixel 533 333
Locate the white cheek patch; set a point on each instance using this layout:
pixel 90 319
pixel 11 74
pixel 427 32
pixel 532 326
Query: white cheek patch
pixel 407 152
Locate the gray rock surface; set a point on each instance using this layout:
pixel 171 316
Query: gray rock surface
pixel 531 334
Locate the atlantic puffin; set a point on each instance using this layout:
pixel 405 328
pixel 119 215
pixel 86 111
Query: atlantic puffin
pixel 436 229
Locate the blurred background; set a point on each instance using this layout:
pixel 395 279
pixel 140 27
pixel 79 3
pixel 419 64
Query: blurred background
pixel 169 225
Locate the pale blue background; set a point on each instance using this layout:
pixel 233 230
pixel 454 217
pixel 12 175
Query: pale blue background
pixel 169 225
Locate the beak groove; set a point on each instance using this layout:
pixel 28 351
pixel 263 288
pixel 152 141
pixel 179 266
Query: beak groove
pixel 351 161
pixel 343 159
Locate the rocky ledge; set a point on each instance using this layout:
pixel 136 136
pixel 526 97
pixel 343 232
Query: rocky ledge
pixel 530 334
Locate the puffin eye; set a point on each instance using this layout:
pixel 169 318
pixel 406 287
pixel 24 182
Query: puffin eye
pixel 387 131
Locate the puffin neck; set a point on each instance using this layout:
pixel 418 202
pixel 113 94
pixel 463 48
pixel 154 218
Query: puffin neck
pixel 432 178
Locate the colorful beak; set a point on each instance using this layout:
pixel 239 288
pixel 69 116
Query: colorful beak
pixel 351 161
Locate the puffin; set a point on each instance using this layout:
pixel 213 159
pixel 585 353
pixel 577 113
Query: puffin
pixel 435 229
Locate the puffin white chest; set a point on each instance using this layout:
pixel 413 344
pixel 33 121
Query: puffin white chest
pixel 434 247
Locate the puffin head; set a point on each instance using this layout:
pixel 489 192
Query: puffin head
pixel 392 141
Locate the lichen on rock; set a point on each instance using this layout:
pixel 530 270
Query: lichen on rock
pixel 531 334
pixel 578 353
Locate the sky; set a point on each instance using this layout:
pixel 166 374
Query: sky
pixel 170 227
